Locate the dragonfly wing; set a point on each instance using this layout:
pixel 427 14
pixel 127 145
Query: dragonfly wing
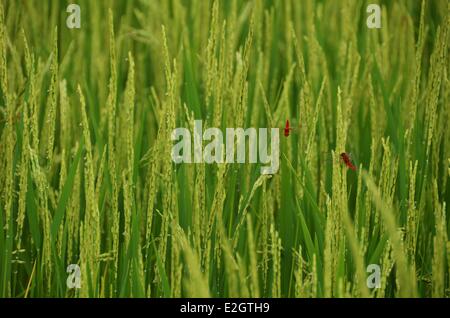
pixel 353 159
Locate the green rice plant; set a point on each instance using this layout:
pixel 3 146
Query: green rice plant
pixel 86 123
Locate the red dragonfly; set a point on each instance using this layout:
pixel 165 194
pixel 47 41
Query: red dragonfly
pixel 287 129
pixel 345 157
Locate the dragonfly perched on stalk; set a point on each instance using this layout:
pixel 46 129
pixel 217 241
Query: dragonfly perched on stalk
pixel 290 127
pixel 287 129
pixel 347 159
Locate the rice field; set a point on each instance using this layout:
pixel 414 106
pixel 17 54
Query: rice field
pixel 85 153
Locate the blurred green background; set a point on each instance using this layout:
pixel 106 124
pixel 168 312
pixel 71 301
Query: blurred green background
pixel 87 177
